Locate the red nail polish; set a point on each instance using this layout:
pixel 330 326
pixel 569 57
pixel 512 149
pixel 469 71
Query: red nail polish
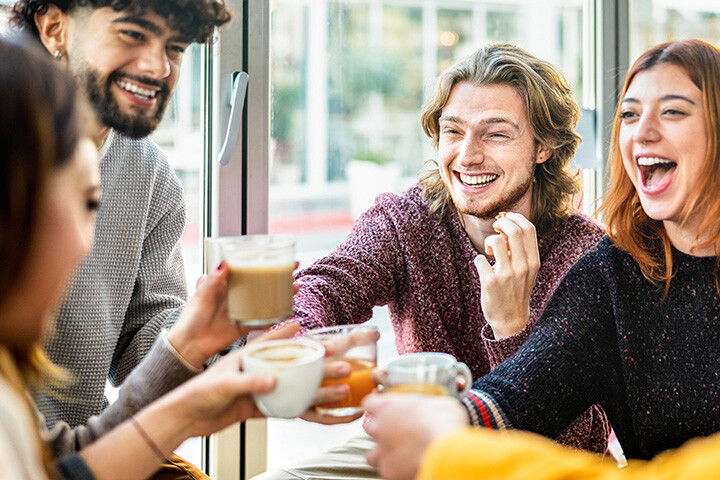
pixel 222 264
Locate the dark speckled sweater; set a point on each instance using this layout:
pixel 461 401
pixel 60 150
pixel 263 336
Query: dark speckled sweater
pixel 608 337
pixel 423 269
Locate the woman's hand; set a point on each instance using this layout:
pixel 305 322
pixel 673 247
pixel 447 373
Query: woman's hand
pixel 205 404
pixel 204 327
pixel 404 425
pixel 335 368
pixel 507 285
pixel 332 369
pixel 221 395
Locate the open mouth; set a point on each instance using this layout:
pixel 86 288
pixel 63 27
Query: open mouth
pixel 139 92
pixel 655 172
pixel 476 180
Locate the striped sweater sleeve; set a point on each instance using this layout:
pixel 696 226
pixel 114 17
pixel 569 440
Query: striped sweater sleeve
pixel 484 411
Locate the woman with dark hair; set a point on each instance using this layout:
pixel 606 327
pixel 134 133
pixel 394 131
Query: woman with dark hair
pixel 635 325
pixel 49 191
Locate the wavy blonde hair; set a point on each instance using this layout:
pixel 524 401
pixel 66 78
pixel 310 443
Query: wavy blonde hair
pixel 629 226
pixel 552 113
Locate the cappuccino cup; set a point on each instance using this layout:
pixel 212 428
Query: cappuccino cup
pixel 296 364
pixel 429 373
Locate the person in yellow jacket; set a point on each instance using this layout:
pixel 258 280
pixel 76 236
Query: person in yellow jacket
pixel 418 438
pixel 473 453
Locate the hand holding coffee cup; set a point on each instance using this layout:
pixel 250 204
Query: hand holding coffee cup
pixel 357 346
pixel 260 285
pixel 296 364
pixel 430 373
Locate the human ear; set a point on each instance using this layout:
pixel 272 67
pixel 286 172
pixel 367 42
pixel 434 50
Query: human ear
pixel 543 153
pixel 53 25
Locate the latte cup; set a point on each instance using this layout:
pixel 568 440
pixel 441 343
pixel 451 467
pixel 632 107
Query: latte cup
pixel 430 373
pixel 296 364
pixel 260 284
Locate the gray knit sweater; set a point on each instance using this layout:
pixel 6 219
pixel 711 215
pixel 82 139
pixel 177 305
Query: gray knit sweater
pixel 130 286
pixel 160 372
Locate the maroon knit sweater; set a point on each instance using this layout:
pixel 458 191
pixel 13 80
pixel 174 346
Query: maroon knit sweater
pixel 422 267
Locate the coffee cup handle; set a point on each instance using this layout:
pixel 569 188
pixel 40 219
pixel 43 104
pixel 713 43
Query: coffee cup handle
pixel 464 372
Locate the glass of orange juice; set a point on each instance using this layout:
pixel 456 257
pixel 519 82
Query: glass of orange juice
pixel 356 345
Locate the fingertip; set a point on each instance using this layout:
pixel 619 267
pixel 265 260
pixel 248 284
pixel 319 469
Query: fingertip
pixel 223 270
pixel 342 368
pixel 371 458
pixel 266 383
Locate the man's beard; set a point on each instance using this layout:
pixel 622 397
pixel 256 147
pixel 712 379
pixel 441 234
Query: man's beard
pixel 107 110
pixel 505 204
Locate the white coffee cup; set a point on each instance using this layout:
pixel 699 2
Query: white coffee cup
pixel 296 364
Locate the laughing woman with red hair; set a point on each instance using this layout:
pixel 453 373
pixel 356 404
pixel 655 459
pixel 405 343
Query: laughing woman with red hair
pixel 633 327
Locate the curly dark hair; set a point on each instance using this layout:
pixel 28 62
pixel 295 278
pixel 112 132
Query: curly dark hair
pixel 193 19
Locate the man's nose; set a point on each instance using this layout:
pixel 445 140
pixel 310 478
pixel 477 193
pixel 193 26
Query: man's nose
pixel 471 152
pixel 154 62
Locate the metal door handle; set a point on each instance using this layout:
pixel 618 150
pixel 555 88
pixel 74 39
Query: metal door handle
pixel 237 103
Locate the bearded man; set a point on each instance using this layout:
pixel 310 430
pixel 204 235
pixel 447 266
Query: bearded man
pixel 126 55
pixel 467 258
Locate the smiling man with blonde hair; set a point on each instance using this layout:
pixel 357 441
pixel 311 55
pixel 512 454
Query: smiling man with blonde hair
pixel 467 258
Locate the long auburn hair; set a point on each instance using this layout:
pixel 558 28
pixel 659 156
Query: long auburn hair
pixel 629 227
pixel 40 127
pixel 552 113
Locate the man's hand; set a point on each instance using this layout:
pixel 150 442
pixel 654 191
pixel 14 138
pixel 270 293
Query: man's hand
pixel 204 327
pixel 332 370
pixel 507 285
pixel 403 425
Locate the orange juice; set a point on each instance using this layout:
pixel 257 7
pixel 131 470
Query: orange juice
pixel 359 381
pixel 425 388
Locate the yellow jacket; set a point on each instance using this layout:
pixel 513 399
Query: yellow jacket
pixel 514 455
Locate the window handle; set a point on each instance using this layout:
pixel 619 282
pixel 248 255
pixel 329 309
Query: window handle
pixel 237 102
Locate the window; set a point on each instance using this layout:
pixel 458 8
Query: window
pixel 656 21
pixel 348 80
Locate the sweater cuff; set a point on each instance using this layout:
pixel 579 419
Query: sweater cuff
pixel 502 349
pixel 73 467
pixel 483 411
pixel 157 374
pixel 176 354
pixel 164 368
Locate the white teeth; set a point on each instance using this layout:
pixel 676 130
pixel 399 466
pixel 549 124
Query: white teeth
pixel 652 161
pixel 476 179
pixel 139 92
